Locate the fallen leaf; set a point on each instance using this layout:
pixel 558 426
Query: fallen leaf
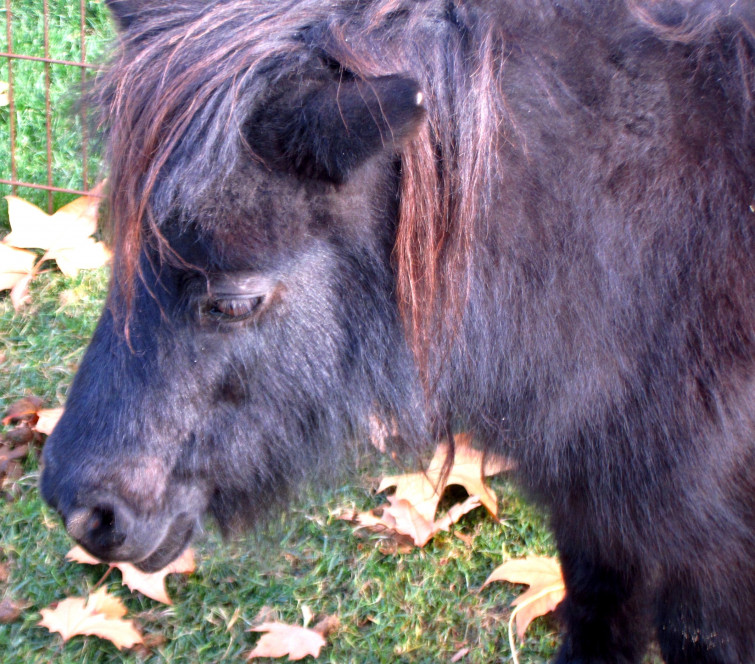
pixel 88 254
pixel 19 435
pixel 400 518
pixel 149 642
pixel 546 588
pixel 100 615
pixel 460 655
pixel 65 235
pixel 4 100
pixel 10 469
pixel 9 611
pixel 280 640
pixel 150 584
pixel 407 520
pixel 412 507
pixel 455 512
pixel 327 625
pixel 79 555
pixel 32 228
pixel 25 409
pixel 12 472
pixel 19 294
pixel 153 585
pixel 424 490
pixel 17 268
pixel 48 418
pixel 7 454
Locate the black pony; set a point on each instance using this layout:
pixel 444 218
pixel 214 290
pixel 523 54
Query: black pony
pixel 528 219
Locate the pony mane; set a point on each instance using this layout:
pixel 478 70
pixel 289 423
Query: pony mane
pixel 185 78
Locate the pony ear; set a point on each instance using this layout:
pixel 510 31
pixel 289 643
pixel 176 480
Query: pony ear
pixel 125 12
pixel 327 131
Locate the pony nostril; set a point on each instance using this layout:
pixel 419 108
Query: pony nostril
pixel 102 517
pixel 99 529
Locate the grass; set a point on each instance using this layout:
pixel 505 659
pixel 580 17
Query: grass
pixel 29 94
pixel 417 607
pixel 420 607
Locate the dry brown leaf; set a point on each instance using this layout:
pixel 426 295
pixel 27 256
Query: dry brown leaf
pixel 280 640
pixel 461 654
pixel 424 490
pixel 19 294
pixel 65 235
pixel 412 507
pixel 149 643
pixel 16 270
pixel 9 611
pixel 546 588
pixel 32 228
pixel 11 474
pixel 88 254
pixel 23 410
pixel 327 625
pixel 10 469
pixel 79 555
pixel 153 585
pixel 7 454
pixel 100 615
pixel 454 513
pixel 150 584
pixel 400 519
pixel 408 521
pixel 48 418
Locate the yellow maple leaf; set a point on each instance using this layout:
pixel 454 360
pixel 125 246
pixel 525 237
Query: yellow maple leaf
pixel 88 254
pixel 14 265
pixel 546 590
pixel 16 271
pixel 401 520
pixel 32 228
pixel 65 235
pixel 150 584
pixel 48 418
pixel 153 584
pixel 280 639
pixel 410 513
pixel 100 615
pixel 424 490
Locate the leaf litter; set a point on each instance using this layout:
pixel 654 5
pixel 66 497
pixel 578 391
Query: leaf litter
pixel 65 237
pixel 546 591
pixel 100 614
pixel 410 514
pixel 297 642
pixel 151 584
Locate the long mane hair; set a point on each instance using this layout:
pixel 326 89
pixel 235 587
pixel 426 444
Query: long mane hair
pixel 174 100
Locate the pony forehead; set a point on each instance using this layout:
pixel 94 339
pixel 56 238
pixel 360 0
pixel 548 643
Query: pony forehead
pixel 187 76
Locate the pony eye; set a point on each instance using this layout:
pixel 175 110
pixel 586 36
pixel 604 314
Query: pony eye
pixel 234 308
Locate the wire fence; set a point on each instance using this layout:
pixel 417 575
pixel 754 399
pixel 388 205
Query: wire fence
pixel 44 62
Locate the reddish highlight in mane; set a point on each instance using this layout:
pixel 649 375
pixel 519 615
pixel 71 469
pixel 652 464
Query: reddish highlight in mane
pixel 175 98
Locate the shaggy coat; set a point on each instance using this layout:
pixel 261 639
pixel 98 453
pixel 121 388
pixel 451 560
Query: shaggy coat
pixel 531 220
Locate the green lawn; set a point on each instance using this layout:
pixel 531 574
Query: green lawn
pixel 65 86
pixel 417 607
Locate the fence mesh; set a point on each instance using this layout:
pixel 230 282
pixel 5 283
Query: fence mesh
pixel 45 61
